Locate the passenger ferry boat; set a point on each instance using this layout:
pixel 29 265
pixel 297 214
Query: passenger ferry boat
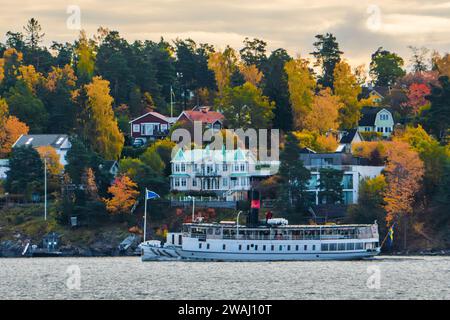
pixel 272 241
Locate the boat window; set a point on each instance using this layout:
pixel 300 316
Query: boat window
pixel 272 247
pixel 358 246
pixel 289 248
pixel 248 247
pixel 224 247
pixel 180 239
pixel 264 248
pixel 173 239
pixel 210 231
pixel 199 245
pixel 341 246
pixel 350 246
pixel 296 248
pixel 218 231
pixel 324 247
pixel 240 247
pixel 306 247
pixel 314 247
pixel 281 248
pixel 207 246
pixel 256 247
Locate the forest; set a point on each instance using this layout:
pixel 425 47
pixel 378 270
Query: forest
pixel 90 89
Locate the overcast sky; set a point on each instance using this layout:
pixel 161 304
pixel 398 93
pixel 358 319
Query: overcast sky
pixel 360 26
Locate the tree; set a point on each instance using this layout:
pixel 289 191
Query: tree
pixel 301 89
pixel 245 107
pixel 253 52
pixel 324 113
pixel 152 159
pixel 27 107
pixel 101 127
pixel 437 118
pixel 26 171
pixel 34 34
pixel 416 99
pixel 223 64
pixel 54 166
pixel 347 88
pixel 327 55
pixel 10 129
pixel 404 172
pixel 251 74
pixel 124 194
pixel 30 77
pixel 442 64
pixel 9 69
pixel 58 97
pixel 370 205
pixel 386 67
pixel 275 87
pixel 330 185
pixel 294 177
pixel 419 58
pixel 84 58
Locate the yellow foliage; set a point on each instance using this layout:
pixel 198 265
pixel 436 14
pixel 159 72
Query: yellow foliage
pixel 326 143
pixel 324 113
pixel 54 166
pixel 251 74
pixel 30 77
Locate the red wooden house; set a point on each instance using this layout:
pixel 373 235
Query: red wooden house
pixel 150 126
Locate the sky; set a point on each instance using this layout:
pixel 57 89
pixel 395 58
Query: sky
pixel 360 26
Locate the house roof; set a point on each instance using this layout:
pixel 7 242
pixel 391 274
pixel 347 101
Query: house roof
pixel 205 116
pixel 41 140
pixel 369 115
pixel 348 136
pixel 155 114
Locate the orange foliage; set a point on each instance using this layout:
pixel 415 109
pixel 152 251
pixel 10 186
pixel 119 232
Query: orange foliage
pixel 374 151
pixel 10 130
pixel 251 74
pixel 326 143
pixel 404 172
pixel 124 192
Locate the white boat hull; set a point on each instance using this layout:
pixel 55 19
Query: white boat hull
pixel 158 253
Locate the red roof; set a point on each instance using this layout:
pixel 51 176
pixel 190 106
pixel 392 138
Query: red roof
pixel 204 116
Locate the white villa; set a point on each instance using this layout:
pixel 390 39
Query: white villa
pixel 354 171
pixel 227 173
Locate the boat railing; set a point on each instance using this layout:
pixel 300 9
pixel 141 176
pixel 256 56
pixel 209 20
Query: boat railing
pixel 272 237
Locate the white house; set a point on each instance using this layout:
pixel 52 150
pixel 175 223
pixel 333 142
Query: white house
pixel 227 173
pixel 354 171
pixel 59 142
pixel 376 119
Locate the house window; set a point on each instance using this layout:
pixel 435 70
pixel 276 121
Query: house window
pixel 380 129
pixel 136 128
pixel 194 182
pixel 183 182
pixel 225 182
pixel 183 167
pixel 236 167
pixel 163 127
pixel 384 117
pixel 177 168
pixel 177 182
pixel 224 167
pixel 242 167
pixel 388 129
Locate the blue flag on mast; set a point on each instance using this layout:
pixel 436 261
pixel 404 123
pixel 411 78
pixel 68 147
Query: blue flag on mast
pixel 151 195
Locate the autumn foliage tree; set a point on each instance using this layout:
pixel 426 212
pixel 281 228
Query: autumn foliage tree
pixel 10 129
pixel 124 194
pixel 404 172
pixel 101 126
pixel 301 85
pixel 324 113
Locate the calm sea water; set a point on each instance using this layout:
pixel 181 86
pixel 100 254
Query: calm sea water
pixel 129 278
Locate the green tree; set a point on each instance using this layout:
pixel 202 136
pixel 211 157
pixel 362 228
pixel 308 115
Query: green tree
pixel 437 117
pixel 327 55
pixel 275 87
pixel 27 107
pixel 84 58
pixel 330 185
pixel 26 171
pixel 246 107
pixel 386 67
pixel 294 177
pixel 254 52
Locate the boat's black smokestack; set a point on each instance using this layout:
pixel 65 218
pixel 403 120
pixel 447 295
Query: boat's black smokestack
pixel 254 197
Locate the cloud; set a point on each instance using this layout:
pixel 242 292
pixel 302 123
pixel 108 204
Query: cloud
pixel 291 24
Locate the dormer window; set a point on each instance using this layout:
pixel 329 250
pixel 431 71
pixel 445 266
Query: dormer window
pixel 29 141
